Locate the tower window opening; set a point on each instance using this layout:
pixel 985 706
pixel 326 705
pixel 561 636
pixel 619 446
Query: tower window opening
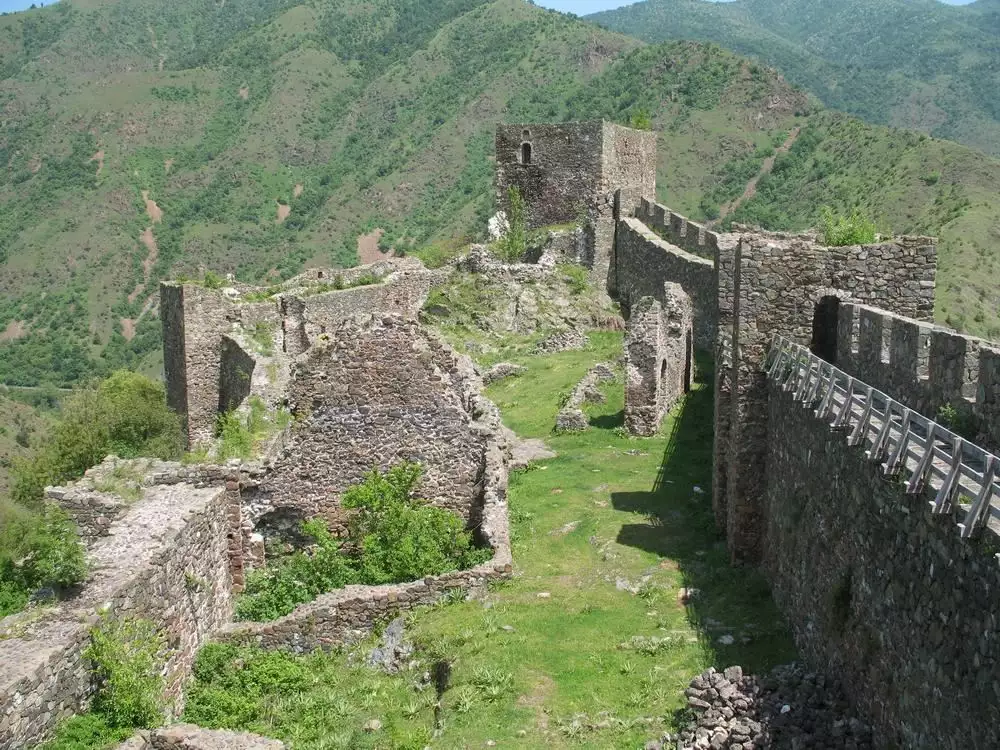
pixel 526 153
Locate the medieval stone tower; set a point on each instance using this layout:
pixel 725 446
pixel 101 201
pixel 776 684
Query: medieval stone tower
pixel 584 172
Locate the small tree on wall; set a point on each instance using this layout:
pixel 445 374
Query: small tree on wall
pixel 511 247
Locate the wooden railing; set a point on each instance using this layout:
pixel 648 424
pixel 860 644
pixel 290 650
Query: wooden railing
pixel 924 453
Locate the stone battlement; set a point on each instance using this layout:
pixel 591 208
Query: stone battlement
pixel 924 366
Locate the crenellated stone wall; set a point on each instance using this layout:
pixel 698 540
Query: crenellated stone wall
pixel 878 590
pixel 680 231
pixel 924 366
pixel 645 262
pixel 777 283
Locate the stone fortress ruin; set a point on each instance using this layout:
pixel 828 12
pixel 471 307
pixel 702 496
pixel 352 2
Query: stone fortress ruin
pixel 875 523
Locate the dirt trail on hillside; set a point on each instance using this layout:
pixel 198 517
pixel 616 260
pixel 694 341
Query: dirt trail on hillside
pixel 15 329
pixel 99 158
pixel 152 210
pixel 284 211
pixel 245 93
pixel 765 169
pixel 168 165
pixel 368 249
pixel 297 191
pixel 129 325
pixel 149 241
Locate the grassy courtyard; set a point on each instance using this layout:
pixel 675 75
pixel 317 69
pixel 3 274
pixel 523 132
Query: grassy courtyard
pixel 590 645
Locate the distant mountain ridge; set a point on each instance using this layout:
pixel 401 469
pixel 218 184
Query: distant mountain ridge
pixel 146 139
pixel 917 64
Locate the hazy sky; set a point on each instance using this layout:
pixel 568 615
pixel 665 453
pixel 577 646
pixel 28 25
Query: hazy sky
pixel 580 7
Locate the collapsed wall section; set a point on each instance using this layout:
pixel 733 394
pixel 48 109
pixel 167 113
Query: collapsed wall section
pixel 879 591
pixel 373 393
pixel 207 357
pixel 658 359
pixel 645 262
pixel 165 560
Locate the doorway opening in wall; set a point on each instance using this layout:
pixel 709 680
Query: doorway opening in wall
pixel 824 334
pixel 526 153
pixel 688 361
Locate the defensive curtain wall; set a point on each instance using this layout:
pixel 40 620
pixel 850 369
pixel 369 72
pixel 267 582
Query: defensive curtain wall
pixel 172 543
pixel 876 525
pixel 889 582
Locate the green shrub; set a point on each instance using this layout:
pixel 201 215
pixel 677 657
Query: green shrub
pixel 262 336
pixel 398 538
pixel 126 414
pixel 301 577
pixel 126 656
pixel 213 280
pixel 855 229
pixel 38 550
pixel 511 247
pixel 401 538
pixel 641 120
pixel 85 732
pixel 239 434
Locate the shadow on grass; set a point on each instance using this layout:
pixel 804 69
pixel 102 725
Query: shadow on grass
pixel 608 421
pixel 731 607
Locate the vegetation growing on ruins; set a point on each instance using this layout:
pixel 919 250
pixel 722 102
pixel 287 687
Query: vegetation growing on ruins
pixel 622 591
pixel 126 659
pixel 853 229
pixel 39 551
pixel 240 433
pixel 397 537
pixel 125 415
pixel 512 245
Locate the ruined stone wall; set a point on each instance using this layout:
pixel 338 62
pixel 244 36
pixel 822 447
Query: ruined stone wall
pixel 923 366
pixel 165 560
pixel 196 319
pixel 775 282
pixel 645 262
pixel 880 592
pixel 345 615
pixel 561 182
pixel 376 392
pixel 658 359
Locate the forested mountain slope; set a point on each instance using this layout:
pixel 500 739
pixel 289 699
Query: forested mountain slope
pixel 141 139
pixel 916 64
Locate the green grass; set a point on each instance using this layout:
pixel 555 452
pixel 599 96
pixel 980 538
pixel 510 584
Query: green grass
pixel 588 665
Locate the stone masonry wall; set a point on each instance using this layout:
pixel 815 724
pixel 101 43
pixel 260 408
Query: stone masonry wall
pixel 923 366
pixel 376 392
pixel 658 359
pixel 165 560
pixel 196 319
pixel 879 591
pixel 679 230
pixel 776 282
pixel 350 613
pixel 562 180
pixel 645 262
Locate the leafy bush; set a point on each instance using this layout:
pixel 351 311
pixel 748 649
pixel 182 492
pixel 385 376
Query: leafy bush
pixel 855 229
pixel 398 539
pixel 300 578
pixel 511 247
pixel 126 656
pixel 401 539
pixel 38 550
pixel 126 414
pixel 87 731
